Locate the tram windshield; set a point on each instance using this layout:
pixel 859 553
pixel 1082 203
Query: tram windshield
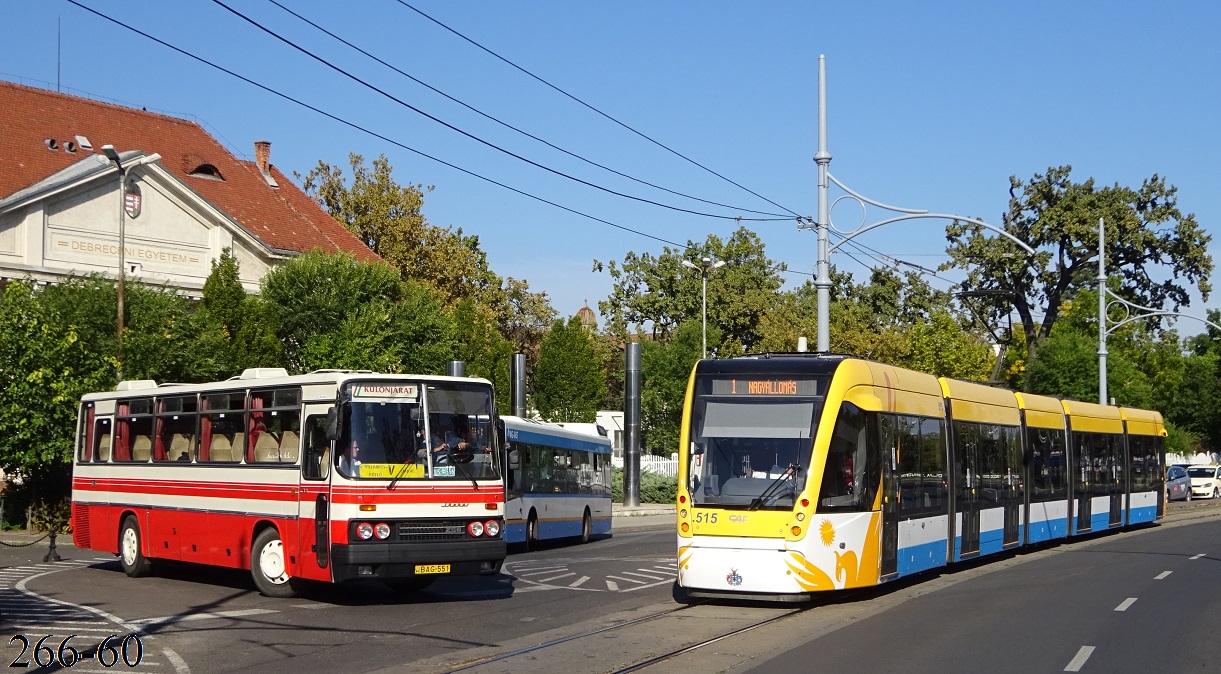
pixel 418 431
pixel 751 441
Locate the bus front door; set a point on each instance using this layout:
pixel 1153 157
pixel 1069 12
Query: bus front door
pixel 313 502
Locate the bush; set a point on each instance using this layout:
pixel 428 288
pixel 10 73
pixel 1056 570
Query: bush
pixel 654 488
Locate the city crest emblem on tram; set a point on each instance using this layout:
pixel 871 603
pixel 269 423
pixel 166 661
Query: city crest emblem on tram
pixel 734 578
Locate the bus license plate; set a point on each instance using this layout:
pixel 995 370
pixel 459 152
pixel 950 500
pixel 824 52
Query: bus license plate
pixel 431 568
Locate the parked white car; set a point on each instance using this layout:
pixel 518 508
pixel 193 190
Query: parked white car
pixel 1205 481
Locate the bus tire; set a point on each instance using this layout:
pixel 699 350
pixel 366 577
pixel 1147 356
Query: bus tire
pixel 131 553
pixel 587 527
pixel 269 566
pixel 532 531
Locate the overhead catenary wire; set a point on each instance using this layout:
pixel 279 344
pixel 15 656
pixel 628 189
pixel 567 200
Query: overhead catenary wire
pixel 477 139
pixel 514 128
pixel 596 110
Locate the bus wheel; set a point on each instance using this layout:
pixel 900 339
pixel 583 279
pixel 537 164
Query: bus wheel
pixel 269 567
pixel 135 564
pixel 587 527
pixel 532 532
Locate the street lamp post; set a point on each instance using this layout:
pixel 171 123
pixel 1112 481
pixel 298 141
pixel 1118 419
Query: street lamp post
pixel 706 265
pixel 113 156
pixel 822 280
pixel 1106 299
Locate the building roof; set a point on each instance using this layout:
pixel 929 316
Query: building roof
pixel 280 215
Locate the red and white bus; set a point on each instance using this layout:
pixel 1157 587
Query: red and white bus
pixel 246 473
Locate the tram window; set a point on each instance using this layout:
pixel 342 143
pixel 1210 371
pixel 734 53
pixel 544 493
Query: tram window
pixel 1048 473
pixel 850 476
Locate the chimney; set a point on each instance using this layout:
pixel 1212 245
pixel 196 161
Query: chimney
pixel 262 159
pixel 262 155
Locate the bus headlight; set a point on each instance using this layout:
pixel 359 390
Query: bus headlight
pixel 491 528
pixel 382 531
pixel 475 529
pixel 364 531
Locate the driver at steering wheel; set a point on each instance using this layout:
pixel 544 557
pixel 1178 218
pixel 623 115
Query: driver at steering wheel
pixel 448 441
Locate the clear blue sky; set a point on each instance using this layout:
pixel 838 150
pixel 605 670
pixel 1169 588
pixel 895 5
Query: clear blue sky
pixel 930 105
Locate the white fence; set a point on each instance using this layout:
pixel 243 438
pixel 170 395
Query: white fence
pixel 659 465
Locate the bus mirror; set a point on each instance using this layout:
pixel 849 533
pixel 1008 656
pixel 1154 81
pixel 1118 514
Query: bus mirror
pixel 332 424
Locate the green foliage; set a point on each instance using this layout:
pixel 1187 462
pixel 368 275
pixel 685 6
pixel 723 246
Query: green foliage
pixel 661 292
pixel 483 350
pixel 1145 231
pixel 568 386
pixel 246 324
pixel 940 346
pixel 46 364
pixel 334 312
pixel 1181 441
pixel 52 516
pixel 654 488
pixel 665 368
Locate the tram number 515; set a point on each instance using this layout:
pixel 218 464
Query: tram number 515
pixel 705 518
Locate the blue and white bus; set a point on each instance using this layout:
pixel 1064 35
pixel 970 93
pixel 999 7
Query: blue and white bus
pixel 558 483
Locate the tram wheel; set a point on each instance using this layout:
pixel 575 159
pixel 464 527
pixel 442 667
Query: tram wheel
pixel 269 566
pixel 587 527
pixel 131 554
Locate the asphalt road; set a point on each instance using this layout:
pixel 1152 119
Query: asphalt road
pixel 1042 610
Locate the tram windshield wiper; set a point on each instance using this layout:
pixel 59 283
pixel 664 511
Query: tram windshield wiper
pixel 773 489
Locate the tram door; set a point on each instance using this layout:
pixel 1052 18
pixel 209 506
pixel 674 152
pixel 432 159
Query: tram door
pixel 1013 487
pixel 1082 487
pixel 890 497
pixel 969 493
pixel 1115 478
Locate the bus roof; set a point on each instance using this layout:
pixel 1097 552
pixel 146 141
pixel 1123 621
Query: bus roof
pixel 264 377
pixel 553 435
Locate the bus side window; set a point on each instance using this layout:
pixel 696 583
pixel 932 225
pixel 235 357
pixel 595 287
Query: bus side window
pixel 101 450
pixel 316 463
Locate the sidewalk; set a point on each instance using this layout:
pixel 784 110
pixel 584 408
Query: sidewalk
pixel 644 516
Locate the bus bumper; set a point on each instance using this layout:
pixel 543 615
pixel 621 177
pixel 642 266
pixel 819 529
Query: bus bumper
pixel 400 560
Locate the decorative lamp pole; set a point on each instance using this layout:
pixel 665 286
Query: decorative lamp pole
pixel 706 265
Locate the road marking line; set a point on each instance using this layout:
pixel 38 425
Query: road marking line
pixel 219 615
pixel 579 582
pixel 539 572
pixel 551 578
pixel 1162 575
pixel 652 576
pixel 176 660
pixel 309 606
pixel 1126 603
pixel 629 580
pixel 1197 556
pixel 612 586
pixel 1078 662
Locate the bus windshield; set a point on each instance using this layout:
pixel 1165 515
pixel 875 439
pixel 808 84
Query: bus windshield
pixel 436 430
pixel 751 450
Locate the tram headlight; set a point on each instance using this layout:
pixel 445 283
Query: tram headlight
pixel 475 529
pixel 491 528
pixel 801 517
pixel 683 513
pixel 382 531
pixel 364 531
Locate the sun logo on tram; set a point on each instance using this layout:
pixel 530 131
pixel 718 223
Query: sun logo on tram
pixel 826 531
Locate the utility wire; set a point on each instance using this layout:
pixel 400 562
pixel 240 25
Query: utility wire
pixel 514 128
pixel 371 132
pixel 473 137
pixel 587 105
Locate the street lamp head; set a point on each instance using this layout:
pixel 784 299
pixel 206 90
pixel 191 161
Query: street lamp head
pixel 112 155
pixel 718 265
pixel 689 264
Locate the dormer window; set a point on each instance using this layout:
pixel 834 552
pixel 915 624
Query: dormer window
pixel 207 172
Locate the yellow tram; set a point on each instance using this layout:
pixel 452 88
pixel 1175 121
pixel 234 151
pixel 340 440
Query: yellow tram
pixel 802 473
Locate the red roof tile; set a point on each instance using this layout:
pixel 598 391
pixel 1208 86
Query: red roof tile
pixel 284 218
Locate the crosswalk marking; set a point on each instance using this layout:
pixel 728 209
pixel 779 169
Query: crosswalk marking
pixel 612 586
pixel 579 582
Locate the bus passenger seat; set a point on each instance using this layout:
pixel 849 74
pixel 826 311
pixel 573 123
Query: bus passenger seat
pixel 266 448
pixel 141 448
pixel 290 446
pixel 180 448
pixel 221 449
pixel 103 453
pixel 239 446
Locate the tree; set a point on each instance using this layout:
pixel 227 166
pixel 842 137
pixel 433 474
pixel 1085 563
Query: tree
pixel 659 292
pixel 334 312
pixel 483 350
pixel 1147 238
pixel 665 368
pixel 568 384
pixel 46 365
pixel 247 326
